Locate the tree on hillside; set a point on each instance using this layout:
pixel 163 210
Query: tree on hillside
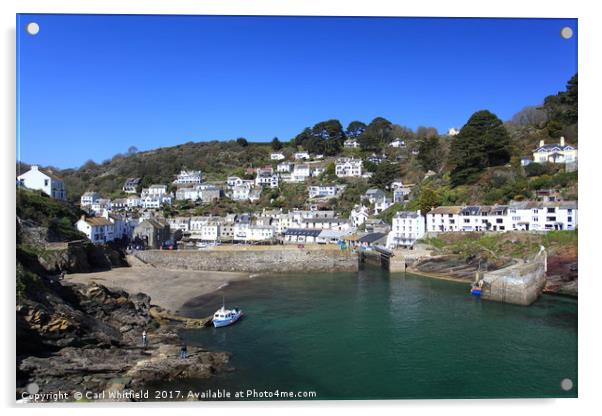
pixel 377 134
pixel 430 153
pixel 241 141
pixel 276 144
pixel 325 137
pixel 427 200
pixel 531 116
pixel 132 150
pixel 355 129
pixel 423 132
pixel 562 109
pixel 483 142
pixel 385 174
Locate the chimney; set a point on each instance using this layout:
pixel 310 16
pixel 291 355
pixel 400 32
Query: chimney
pixel 34 167
pixel 541 143
pixel 561 140
pixel 83 218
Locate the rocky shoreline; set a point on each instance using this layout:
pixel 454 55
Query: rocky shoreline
pixel 76 338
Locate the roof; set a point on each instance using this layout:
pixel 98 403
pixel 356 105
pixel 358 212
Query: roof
pixel 132 181
pixel 334 233
pixel 97 221
pixel 324 220
pixel 406 214
pixel 554 147
pixel 154 222
pixel 302 232
pixel 372 237
pixel 471 210
pixel 446 210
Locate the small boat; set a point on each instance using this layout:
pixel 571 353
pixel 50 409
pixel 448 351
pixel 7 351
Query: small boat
pixel 475 290
pixel 225 317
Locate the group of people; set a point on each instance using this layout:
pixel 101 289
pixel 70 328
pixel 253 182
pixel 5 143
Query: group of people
pixel 183 348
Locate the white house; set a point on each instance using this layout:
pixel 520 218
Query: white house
pixel 188 194
pixel 325 223
pixel 300 173
pixel 45 181
pixel 284 167
pixel 443 219
pixel 359 215
pixel 382 204
pixel 154 191
pixel 179 223
pixel 543 216
pixel 325 191
pixel 351 144
pixel 520 216
pixel 267 179
pixel 301 156
pixel 210 232
pixel 189 177
pixel 88 198
pixel 119 203
pixel 348 167
pixel 397 143
pixel 408 226
pixel 233 181
pixel 453 131
pixel 241 192
pixel 133 201
pixel 130 186
pixel 555 153
pixel 98 229
pixel 277 156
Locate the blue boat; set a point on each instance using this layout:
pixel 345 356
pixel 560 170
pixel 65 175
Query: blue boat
pixel 225 317
pixel 475 291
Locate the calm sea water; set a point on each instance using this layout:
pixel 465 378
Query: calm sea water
pixel 375 335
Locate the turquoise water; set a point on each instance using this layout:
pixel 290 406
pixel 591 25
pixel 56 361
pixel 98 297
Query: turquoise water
pixel 375 335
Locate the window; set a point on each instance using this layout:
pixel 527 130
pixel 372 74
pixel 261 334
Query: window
pixel 46 182
pixel 570 219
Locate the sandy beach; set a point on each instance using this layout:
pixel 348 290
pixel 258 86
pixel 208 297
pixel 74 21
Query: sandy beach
pixel 169 289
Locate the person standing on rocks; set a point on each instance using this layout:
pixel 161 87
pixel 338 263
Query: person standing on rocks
pixel 144 339
pixel 183 351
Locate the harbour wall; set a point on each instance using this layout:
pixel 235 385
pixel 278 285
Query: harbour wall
pixel 253 260
pixel 520 284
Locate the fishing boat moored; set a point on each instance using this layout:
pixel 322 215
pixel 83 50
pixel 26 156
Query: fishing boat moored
pixel 225 317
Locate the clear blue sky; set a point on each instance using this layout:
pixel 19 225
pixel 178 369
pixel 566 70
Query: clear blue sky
pixel 90 86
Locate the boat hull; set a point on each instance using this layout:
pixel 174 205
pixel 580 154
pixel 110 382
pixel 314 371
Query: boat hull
pixel 218 323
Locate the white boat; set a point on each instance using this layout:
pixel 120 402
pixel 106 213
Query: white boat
pixel 225 317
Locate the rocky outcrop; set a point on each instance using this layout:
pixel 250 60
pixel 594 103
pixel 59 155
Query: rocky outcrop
pixel 85 337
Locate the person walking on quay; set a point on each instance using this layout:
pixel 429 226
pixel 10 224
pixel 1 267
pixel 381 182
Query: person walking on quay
pixel 144 339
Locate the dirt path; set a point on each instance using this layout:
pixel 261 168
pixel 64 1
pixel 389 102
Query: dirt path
pixel 169 289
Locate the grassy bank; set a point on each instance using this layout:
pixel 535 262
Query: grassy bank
pixel 511 244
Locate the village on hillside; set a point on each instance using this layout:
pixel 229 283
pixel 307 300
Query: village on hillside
pixel 138 221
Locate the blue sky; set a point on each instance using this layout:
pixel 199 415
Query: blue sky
pixel 90 86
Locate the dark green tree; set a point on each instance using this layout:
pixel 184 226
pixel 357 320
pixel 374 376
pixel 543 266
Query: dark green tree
pixel 355 129
pixel 241 141
pixel 384 174
pixel 276 144
pixel 377 134
pixel 430 153
pixel 483 142
pixel 325 137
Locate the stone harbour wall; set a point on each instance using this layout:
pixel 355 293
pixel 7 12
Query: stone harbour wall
pixel 253 261
pixel 520 284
